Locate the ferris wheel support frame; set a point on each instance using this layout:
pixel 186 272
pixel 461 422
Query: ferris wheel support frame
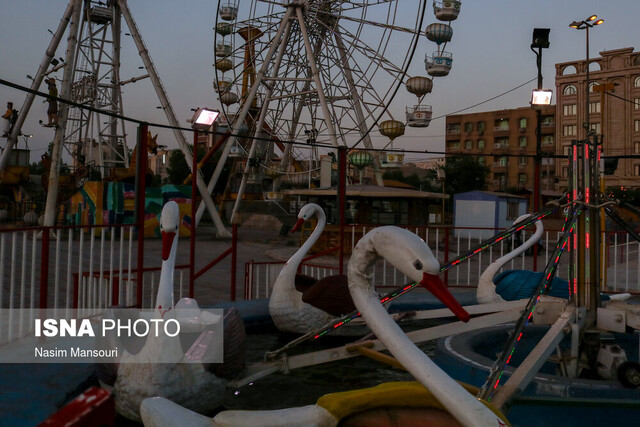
pixel 239 119
pixel 56 150
pixel 315 75
pixel 37 81
pixel 171 117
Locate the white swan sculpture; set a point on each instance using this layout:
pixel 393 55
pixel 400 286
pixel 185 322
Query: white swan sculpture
pixel 300 304
pixel 160 368
pixel 408 253
pixel 515 284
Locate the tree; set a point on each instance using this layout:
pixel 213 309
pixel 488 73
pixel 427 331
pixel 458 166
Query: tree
pixel 178 169
pixel 463 174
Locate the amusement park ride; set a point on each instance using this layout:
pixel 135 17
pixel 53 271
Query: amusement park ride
pixel 91 129
pixel 285 71
pixel 290 74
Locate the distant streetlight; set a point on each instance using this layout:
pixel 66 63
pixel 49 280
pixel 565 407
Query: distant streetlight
pixel 539 98
pixel 590 22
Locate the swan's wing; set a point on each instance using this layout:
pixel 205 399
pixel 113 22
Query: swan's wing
pixel 304 282
pixel 331 295
pixel 234 346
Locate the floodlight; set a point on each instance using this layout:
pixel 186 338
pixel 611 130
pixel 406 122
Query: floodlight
pixel 541 97
pixel 203 118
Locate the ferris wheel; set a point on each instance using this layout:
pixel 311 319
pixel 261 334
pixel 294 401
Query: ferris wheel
pixel 311 71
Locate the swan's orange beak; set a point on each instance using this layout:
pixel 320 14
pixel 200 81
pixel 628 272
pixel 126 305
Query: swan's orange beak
pixel 167 242
pixel 434 284
pixel 298 225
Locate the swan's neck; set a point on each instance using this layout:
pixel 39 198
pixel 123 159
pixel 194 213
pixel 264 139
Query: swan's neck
pixel 291 267
pixel 486 279
pixel 459 402
pixel 164 298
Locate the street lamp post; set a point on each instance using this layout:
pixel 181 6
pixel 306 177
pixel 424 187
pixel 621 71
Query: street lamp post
pixel 540 41
pixel 539 98
pixel 590 22
pixel 587 260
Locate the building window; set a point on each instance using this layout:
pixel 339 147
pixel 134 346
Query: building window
pixel 523 142
pixel 453 128
pixel 566 150
pixel 636 82
pixel 636 147
pixel 468 127
pixel 522 178
pixel 501 124
pixel 595 127
pixel 594 107
pixel 569 90
pixel 565 172
pixel 636 125
pixel 503 161
pixel 523 161
pixel 481 160
pixel 501 143
pixel 569 130
pixel 512 210
pixel 523 122
pixel 547 140
pixel 164 159
pixel 569 109
pixel 481 126
pixel 636 104
pixel 592 85
pixel 636 170
pixel 481 144
pixel 454 145
pixel 547 121
pixel 468 144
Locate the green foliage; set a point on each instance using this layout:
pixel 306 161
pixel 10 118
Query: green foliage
pixel 422 184
pixel 464 174
pixel 178 170
pixel 36 168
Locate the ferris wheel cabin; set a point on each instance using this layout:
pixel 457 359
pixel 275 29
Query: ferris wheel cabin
pixel 439 64
pixel 229 11
pixel 419 116
pixel 447 10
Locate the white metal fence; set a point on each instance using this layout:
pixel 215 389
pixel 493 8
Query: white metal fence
pixel 621 260
pixel 88 270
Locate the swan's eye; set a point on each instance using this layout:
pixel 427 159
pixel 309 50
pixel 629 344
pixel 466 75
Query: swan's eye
pixel 418 265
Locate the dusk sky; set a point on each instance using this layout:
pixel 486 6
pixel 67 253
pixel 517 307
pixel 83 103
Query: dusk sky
pixel 490 48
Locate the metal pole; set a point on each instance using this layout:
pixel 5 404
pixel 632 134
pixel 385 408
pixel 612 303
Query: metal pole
pixel 44 266
pixel 538 158
pixel 65 92
pixel 141 172
pixel 234 260
pixel 342 195
pixel 192 239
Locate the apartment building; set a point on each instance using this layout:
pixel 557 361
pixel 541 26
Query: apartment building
pixel 613 114
pixel 159 162
pixel 505 140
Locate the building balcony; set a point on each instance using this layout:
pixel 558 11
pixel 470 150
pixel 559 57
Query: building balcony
pixel 500 147
pixel 501 131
